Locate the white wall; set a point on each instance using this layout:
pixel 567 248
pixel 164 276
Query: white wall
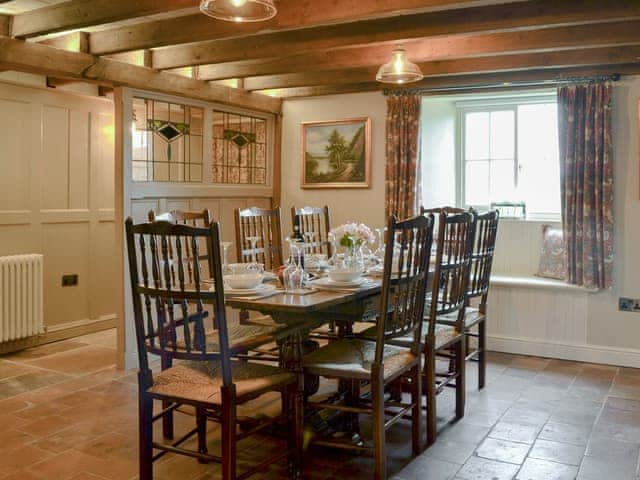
pixel 554 322
pixel 364 205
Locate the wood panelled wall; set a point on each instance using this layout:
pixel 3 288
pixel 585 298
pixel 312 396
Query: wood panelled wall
pixel 221 210
pixel 57 198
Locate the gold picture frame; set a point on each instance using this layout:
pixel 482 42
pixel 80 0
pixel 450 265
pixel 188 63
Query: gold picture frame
pixel 336 153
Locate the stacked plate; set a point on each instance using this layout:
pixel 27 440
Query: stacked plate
pixel 325 283
pixel 260 290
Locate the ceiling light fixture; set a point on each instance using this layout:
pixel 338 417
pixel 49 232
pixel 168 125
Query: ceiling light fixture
pixel 399 69
pixel 239 10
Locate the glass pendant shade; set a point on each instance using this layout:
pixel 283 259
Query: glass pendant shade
pixel 399 69
pixel 239 10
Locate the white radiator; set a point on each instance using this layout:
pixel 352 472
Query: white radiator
pixel 20 297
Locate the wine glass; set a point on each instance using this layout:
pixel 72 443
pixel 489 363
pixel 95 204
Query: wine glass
pixel 293 275
pixel 253 241
pixel 225 256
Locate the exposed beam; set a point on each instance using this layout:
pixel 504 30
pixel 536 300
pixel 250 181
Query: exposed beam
pixel 478 65
pixel 465 82
pixel 38 58
pixel 74 42
pixel 291 14
pixel 76 14
pixel 5 25
pixel 540 13
pixel 439 48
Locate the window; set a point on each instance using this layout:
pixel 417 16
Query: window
pixel 239 149
pixel 167 141
pixel 509 153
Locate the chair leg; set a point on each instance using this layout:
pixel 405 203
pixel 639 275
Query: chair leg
pixel 460 353
pixel 377 397
pixel 145 436
pixel 228 437
pixel 416 413
pixel 295 417
pixel 482 354
pixel 201 422
pixel 430 392
pixel 167 418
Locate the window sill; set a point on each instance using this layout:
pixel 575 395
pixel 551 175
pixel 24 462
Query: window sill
pixel 540 220
pixel 537 283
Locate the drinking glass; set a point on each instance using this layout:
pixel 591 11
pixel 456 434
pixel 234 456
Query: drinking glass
pixel 225 256
pixel 253 241
pixel 293 275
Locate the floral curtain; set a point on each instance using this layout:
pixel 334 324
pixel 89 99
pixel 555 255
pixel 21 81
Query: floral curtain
pixel 586 175
pixel 402 158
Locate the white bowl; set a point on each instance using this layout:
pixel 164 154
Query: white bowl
pixel 344 275
pixel 241 268
pixel 244 280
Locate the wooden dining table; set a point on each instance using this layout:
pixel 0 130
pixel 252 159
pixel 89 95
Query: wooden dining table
pixel 312 310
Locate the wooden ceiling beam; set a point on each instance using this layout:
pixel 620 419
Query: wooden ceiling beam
pixel 291 14
pixel 439 48
pixel 478 65
pixel 492 19
pixel 37 58
pixel 5 25
pixel 74 42
pixel 75 14
pixel 439 85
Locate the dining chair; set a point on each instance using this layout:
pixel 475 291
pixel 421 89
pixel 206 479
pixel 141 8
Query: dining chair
pixel 377 361
pixel 243 337
pixel 169 317
pixel 264 227
pixel 446 313
pixel 315 220
pixel 443 329
pixel 481 265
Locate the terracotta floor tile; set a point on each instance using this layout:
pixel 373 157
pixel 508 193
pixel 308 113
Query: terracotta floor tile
pixel 78 361
pixel 74 417
pixel 503 451
pixel 557 452
pixel 478 468
pixel 44 350
pixel 534 469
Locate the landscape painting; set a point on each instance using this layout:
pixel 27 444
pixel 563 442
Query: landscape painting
pixel 336 154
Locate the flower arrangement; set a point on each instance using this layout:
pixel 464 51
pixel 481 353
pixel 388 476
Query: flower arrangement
pixel 353 235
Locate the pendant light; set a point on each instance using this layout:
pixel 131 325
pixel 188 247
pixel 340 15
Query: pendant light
pixel 399 69
pixel 239 10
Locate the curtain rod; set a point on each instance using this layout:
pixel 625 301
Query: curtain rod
pixel 524 83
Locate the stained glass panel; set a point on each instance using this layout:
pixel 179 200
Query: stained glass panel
pixel 239 149
pixel 167 141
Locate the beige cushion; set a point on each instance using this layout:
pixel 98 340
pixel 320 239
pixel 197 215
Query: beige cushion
pixel 201 381
pixel 444 335
pixel 352 358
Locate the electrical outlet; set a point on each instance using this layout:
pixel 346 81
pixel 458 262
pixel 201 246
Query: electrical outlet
pixel 70 280
pixel 629 304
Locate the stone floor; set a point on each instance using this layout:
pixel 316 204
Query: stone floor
pixel 67 413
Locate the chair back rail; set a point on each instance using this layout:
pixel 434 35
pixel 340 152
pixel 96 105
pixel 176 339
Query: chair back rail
pixel 189 218
pixel 316 220
pixel 170 309
pixel 483 251
pixel 454 248
pixel 404 281
pixel 266 226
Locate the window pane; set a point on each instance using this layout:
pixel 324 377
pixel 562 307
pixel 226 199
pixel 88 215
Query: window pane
pixel 477 183
pixel 539 175
pixel 502 134
pixel 502 181
pixel 477 136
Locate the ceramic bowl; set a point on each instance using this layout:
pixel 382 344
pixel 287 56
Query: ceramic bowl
pixel 243 280
pixel 242 268
pixel 344 274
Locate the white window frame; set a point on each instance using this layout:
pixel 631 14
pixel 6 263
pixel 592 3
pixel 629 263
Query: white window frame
pixel 490 105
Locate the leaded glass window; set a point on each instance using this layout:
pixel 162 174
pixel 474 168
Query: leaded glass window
pixel 239 149
pixel 167 140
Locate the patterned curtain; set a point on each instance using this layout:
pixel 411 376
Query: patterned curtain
pixel 586 176
pixel 402 158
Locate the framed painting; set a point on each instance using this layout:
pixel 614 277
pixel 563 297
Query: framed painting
pixel 336 154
